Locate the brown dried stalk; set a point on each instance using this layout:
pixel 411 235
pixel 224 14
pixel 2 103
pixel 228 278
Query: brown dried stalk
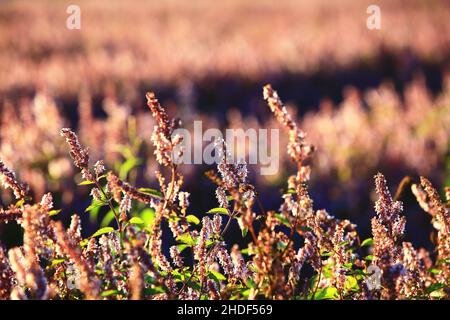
pixel 387 228
pixel 8 179
pixel 298 150
pixel 117 186
pixel 89 283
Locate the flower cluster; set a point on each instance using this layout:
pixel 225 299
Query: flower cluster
pixel 8 179
pixel 162 133
pixel 79 154
pixel 298 150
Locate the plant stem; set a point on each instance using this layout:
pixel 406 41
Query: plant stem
pixel 116 216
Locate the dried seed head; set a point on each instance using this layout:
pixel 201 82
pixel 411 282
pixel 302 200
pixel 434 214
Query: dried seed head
pixel 216 224
pixel 183 198
pixel 75 229
pixel 176 257
pixel 240 267
pixel 96 194
pixel 125 204
pixel 222 197
pixel 225 260
pixel 136 281
pixel 47 201
pixel 8 179
pixel 298 150
pixel 6 275
pixel 13 213
pixel 99 167
pixel 386 208
pixel 117 187
pixel 175 228
pixel 88 281
pixel 441 222
pixel 213 290
pixel 162 132
pixel 79 154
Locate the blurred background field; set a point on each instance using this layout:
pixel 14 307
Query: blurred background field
pixel 370 100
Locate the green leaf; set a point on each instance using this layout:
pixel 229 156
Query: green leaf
pixel 218 210
pixel 357 272
pixel 216 276
pixel 101 231
pixel 20 203
pixel 93 215
pixel 181 247
pixel 194 285
pixel 434 271
pixel 86 182
pixel 102 176
pixel 328 272
pixel 109 216
pixel 186 239
pixel 127 166
pixel 152 192
pixel 326 293
pixel 281 245
pixel 54 212
pixel 245 293
pixel 344 243
pixel 178 276
pixel 306 229
pixel 124 150
pixel 443 261
pixel 348 265
pixel 351 284
pixel 148 216
pixel 95 204
pixel 109 293
pixel 192 219
pixel 435 287
pixel 369 258
pixel 368 242
pixel 152 291
pixel 56 262
pixel 136 220
pixel 313 282
pixel 282 219
pixel 250 283
pixel 244 229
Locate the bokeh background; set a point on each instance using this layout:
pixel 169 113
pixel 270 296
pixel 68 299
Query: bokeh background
pixel 370 100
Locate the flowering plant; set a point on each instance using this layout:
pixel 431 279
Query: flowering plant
pixel 129 262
